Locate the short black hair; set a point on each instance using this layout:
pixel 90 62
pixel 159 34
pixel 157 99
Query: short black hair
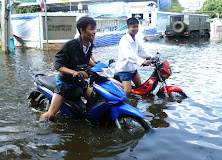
pixel 83 22
pixel 132 21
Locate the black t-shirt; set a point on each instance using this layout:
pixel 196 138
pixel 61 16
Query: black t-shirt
pixel 71 55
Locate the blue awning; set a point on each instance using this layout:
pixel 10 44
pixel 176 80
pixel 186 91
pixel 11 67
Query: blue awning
pixel 109 10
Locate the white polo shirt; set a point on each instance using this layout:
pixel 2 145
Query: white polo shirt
pixel 131 54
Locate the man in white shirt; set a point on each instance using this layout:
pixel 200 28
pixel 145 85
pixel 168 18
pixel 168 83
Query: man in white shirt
pixel 131 56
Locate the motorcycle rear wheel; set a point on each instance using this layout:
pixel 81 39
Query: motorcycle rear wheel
pixel 44 104
pixel 41 103
pixel 133 124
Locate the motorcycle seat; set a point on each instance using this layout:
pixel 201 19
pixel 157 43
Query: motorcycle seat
pixel 48 82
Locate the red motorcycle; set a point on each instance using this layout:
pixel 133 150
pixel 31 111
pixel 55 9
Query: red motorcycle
pixel 162 72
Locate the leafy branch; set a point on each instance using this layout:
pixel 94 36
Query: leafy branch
pixel 212 5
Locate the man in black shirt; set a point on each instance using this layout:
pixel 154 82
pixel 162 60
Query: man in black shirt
pixel 74 52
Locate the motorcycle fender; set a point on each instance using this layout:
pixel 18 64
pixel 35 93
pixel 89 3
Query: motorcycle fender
pixel 47 92
pixel 146 87
pixel 64 110
pixel 33 95
pixel 97 112
pixel 124 109
pixel 170 89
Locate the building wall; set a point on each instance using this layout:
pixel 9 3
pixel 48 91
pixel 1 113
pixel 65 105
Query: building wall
pixel 216 25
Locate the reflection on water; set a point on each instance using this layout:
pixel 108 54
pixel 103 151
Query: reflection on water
pixel 158 119
pixel 198 42
pixel 192 125
pixel 153 108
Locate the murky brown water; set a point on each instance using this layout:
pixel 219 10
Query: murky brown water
pixel 190 129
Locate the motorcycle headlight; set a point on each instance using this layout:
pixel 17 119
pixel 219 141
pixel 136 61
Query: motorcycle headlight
pixel 109 72
pixel 101 74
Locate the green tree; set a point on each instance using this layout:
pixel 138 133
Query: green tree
pixel 175 6
pixel 213 5
pixel 175 1
pixel 16 9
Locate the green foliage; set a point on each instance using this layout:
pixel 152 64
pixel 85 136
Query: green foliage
pixel 174 7
pixel 212 5
pixel 16 9
pixel 174 1
pixel 24 9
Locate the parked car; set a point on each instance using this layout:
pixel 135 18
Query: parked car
pixel 190 25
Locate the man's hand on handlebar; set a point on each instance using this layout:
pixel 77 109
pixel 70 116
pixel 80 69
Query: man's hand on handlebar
pixel 150 60
pixel 146 63
pixel 80 74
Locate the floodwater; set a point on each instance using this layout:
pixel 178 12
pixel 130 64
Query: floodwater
pixel 188 129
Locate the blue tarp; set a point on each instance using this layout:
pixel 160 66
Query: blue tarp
pixel 24 16
pixel 149 31
pixel 161 21
pixel 122 28
pixel 107 40
pixel 108 10
pixel 27 27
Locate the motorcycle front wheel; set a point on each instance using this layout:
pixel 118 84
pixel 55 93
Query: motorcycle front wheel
pixel 132 124
pixel 178 94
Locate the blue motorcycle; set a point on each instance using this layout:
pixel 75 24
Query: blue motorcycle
pixel 105 106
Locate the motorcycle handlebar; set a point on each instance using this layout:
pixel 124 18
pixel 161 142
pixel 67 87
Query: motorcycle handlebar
pixel 93 76
pixel 152 60
pixel 85 68
pixel 88 72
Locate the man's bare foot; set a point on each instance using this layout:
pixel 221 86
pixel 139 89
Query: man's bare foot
pixel 47 115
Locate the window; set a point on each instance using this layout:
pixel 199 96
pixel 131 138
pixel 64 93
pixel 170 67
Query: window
pixel 175 19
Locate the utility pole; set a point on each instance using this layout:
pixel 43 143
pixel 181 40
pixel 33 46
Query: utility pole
pixel 158 3
pixel 46 27
pixel 5 25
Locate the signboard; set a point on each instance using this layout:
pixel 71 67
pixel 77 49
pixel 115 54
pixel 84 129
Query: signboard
pixel 137 16
pixel 60 27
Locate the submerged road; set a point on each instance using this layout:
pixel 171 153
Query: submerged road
pixel 188 129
